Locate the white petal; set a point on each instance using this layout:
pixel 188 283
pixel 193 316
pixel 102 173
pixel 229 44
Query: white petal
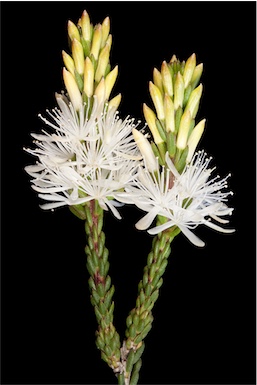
pixel 158 229
pixel 192 237
pixel 218 228
pixel 147 220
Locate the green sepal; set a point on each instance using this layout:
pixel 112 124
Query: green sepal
pixel 130 360
pixel 136 319
pixel 187 94
pixel 100 289
pixel 108 297
pixel 79 80
pixel 171 144
pixel 105 255
pixel 100 342
pixel 147 290
pixel 140 326
pixel 154 295
pixel 139 353
pixel 157 153
pixel 121 379
pixel 95 296
pixel 166 251
pixel 162 150
pixel 156 279
pixel 102 308
pixel 107 70
pixel 90 267
pixel 180 165
pixel 106 268
pixel 101 266
pixel 159 284
pixel 132 331
pixel 191 127
pixel 108 283
pixel 135 372
pixel 129 321
pixel 142 296
pixel 79 211
pixel 108 317
pixel 160 129
pixel 86 46
pixel 178 115
pixel 98 314
pixel 150 258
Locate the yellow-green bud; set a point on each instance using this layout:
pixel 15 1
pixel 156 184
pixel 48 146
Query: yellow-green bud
pixel 197 74
pixel 169 113
pixel 96 41
pixel 105 30
pixel 189 69
pixel 157 78
pixel 193 102
pixel 178 91
pixel 114 102
pixel 166 79
pixel 100 91
pixel 88 77
pixel 183 130
pixel 73 31
pixel 109 81
pixel 72 89
pixel 68 62
pixel 102 62
pixel 78 55
pixel 157 100
pixel 145 149
pixel 85 26
pixel 150 118
pixel 194 139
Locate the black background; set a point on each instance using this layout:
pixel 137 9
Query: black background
pixel 204 326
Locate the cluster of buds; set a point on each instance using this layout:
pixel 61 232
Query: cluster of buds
pixel 87 70
pixel 176 96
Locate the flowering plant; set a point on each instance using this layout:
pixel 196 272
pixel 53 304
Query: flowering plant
pixel 93 161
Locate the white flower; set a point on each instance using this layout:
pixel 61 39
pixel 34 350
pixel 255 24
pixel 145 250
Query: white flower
pixel 90 155
pixel 186 200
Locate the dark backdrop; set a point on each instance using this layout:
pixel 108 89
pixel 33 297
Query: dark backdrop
pixel 204 327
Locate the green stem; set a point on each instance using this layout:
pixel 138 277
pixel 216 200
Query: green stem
pixel 139 320
pixel 107 338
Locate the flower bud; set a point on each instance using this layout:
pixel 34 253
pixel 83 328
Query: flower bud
pixel 72 89
pixel 85 26
pixel 96 41
pixel 157 100
pixel 169 113
pixel 166 79
pixel 178 91
pixel 68 62
pixel 183 130
pixel 197 75
pixel 189 69
pixel 193 102
pixel 102 62
pixel 78 55
pixel 100 91
pixel 73 31
pixel 109 81
pixel 105 30
pixel 194 139
pixel 150 118
pixel 157 79
pixel 88 77
pixel 114 102
pixel 145 149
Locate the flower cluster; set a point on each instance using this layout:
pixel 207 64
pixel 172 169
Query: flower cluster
pixel 94 155
pixel 88 157
pixel 185 200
